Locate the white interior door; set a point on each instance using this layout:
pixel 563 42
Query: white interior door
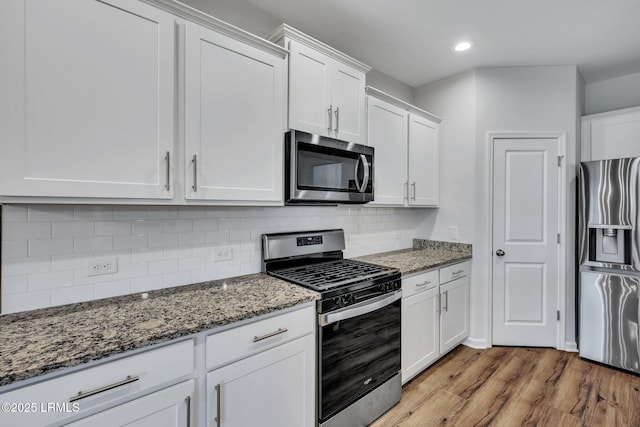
pixel 525 243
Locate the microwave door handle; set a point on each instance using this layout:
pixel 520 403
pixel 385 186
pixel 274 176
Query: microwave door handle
pixel 365 164
pixel 365 180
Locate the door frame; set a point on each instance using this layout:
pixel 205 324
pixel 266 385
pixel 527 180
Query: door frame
pixel 562 224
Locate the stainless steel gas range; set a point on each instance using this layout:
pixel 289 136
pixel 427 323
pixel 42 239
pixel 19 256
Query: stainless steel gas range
pixel 358 360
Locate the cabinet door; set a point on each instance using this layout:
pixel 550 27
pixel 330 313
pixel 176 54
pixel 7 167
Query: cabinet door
pixel 89 97
pixel 454 317
pixel 310 107
pixel 387 134
pixel 611 135
pixel 274 388
pixel 347 97
pixel 234 119
pixel 423 162
pixel 170 407
pixel 420 332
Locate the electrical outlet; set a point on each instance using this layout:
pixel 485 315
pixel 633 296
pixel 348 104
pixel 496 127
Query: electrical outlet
pixel 453 232
pixel 103 266
pixel 223 253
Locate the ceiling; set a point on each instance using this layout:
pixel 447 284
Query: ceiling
pixel 412 40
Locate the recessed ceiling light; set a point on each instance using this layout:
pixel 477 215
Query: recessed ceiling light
pixel 462 46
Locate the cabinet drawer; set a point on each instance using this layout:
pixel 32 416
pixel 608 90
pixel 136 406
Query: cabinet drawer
pixel 99 386
pixel 420 282
pixel 454 271
pixel 237 343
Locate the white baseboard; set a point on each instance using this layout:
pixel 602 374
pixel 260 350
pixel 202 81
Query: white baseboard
pixel 571 346
pixel 478 343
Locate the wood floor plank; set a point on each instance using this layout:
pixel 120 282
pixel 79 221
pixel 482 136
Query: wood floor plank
pixel 509 386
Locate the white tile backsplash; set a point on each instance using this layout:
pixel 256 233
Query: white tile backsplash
pixel 46 249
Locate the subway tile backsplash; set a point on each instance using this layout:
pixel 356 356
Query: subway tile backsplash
pixel 46 249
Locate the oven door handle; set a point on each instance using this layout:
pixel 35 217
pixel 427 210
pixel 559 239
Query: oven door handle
pixel 359 309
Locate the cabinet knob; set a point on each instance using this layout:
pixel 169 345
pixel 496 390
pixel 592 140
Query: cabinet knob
pixel 500 252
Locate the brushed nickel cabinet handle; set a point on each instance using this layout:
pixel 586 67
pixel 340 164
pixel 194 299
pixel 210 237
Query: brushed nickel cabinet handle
pixel 188 400
pixel 218 418
pixel 413 190
pixel 330 111
pixel 406 190
pixel 457 272
pixel 83 394
pixel 337 119
pixel 168 159
pixel 271 334
pixel 195 172
pixel 425 283
pixel 446 301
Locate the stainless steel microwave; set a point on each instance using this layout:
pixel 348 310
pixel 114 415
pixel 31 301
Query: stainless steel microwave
pixel 323 170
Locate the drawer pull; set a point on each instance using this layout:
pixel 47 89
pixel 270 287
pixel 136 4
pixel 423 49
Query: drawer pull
pixel 83 394
pixel 458 272
pixel 419 285
pixel 269 335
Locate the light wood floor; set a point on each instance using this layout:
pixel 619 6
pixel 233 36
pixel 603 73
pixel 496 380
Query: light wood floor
pixel 510 386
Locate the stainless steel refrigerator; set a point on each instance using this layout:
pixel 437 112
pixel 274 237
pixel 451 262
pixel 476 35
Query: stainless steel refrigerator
pixel 609 241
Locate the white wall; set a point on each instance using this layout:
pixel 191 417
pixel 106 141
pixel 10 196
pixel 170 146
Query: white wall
pixel 524 99
pixel 472 104
pixel 239 13
pixel 612 94
pixel 46 248
pixel 453 99
pixel 390 85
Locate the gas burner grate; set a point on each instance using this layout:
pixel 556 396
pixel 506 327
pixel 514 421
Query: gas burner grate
pixel 331 274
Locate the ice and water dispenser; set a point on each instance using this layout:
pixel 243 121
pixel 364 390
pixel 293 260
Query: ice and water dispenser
pixel 610 244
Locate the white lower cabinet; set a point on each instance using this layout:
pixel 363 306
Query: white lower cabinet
pixel 420 332
pixel 258 373
pixel 100 387
pixel 272 388
pixel 170 407
pixel 454 317
pixel 435 316
pixel 270 379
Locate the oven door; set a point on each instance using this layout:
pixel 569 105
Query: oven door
pixel 359 349
pixel 327 170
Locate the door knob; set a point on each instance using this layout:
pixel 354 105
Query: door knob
pixel 500 252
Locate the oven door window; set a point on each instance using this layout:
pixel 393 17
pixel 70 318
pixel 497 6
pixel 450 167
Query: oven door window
pixel 329 169
pixel 356 356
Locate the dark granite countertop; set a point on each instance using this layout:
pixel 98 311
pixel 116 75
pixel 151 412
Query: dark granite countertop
pixel 425 255
pixel 37 342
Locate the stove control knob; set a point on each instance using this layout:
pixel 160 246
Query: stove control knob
pixel 338 301
pixel 346 300
pixel 390 287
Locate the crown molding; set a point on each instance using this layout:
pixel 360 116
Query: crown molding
pixel 286 32
pixel 370 90
pixel 193 15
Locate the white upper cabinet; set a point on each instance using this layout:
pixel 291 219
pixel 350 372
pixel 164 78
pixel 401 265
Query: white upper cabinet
pixel 611 135
pixel 326 87
pixel 406 143
pixel 235 114
pixel 423 161
pixel 88 99
pixel 387 127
